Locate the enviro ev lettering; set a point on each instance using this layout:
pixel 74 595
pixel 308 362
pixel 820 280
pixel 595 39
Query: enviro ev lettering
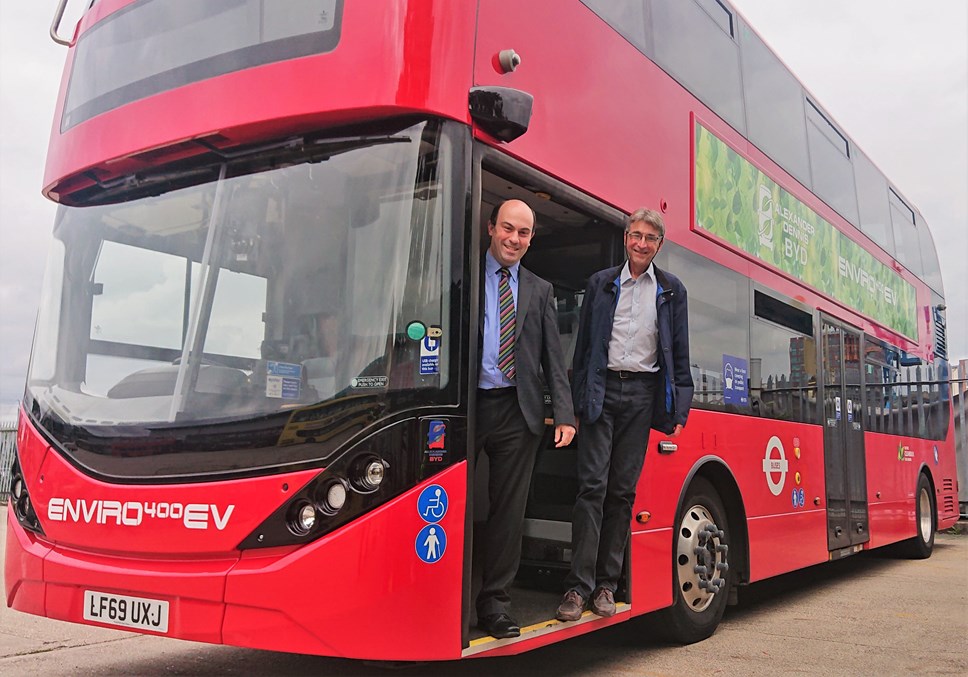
pixel 738 203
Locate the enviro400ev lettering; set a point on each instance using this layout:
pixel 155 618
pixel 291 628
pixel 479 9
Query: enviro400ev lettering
pixel 135 513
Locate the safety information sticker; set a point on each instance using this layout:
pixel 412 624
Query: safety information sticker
pixel 430 355
pixel 283 380
pixel 370 382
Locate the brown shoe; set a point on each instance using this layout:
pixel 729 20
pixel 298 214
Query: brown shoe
pixel 603 602
pixel 571 607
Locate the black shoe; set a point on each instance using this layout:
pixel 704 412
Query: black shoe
pixel 499 626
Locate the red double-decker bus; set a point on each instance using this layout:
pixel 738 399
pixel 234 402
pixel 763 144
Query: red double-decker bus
pixel 254 370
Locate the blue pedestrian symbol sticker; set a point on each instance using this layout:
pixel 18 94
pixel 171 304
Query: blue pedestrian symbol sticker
pixel 432 504
pixel 431 543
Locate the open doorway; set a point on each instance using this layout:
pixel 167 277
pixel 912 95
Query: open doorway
pixel 569 244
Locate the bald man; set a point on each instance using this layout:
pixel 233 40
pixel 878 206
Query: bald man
pixel 518 338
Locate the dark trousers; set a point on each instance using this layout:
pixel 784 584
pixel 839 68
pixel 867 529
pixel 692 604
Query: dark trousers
pixel 511 447
pixel 611 452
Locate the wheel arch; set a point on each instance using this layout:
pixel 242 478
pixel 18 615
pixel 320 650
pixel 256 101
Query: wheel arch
pixel 925 470
pixel 718 473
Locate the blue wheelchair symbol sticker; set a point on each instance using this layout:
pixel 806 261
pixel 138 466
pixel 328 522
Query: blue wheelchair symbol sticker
pixel 431 543
pixel 800 498
pixel 432 503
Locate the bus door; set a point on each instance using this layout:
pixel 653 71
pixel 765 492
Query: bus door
pixel 574 237
pixel 844 465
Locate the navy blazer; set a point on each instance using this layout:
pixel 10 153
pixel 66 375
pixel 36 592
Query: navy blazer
pixel 595 330
pixel 537 350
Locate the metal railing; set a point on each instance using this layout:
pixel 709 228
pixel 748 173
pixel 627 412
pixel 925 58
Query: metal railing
pixel 8 449
pixel 959 412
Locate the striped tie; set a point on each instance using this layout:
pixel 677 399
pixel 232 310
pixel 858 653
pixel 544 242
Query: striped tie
pixel 505 355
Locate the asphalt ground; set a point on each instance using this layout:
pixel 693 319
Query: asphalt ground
pixel 870 614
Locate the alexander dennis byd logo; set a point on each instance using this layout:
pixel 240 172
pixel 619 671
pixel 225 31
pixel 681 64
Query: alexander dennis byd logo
pixel 765 213
pixel 436 441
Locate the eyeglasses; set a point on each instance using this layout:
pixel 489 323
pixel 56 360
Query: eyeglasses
pixel 638 237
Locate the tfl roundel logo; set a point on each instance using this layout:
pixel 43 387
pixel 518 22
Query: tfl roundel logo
pixel 775 466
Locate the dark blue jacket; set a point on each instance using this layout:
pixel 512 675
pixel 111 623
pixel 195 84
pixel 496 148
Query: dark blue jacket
pixel 595 330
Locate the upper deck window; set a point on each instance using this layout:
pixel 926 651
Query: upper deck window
pixel 720 14
pixel 151 46
pixel 875 212
pixel 905 234
pixel 830 166
pixel 695 45
pixel 774 107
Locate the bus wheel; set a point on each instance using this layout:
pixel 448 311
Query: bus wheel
pixel 700 569
pixel 920 546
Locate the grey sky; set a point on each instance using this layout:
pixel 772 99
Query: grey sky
pixel 893 74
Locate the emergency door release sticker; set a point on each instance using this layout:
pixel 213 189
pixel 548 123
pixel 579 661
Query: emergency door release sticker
pixel 370 382
pixel 283 380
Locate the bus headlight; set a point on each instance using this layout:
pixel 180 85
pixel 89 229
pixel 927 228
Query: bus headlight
pixel 20 500
pixel 304 518
pixel 307 517
pixel 368 473
pixel 332 497
pixel 373 474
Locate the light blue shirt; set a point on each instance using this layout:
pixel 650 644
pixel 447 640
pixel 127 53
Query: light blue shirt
pixel 491 376
pixel 634 344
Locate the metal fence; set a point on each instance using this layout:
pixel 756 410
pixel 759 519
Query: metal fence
pixel 8 449
pixel 959 410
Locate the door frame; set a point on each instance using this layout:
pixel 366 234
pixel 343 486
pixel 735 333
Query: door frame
pixel 842 407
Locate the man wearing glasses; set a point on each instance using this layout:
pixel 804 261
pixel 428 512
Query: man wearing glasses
pixel 630 373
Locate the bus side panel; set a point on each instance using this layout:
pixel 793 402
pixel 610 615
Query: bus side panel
pixel 651 580
pixel 893 465
pixel 368 574
pixel 782 543
pixel 775 465
pixel 891 483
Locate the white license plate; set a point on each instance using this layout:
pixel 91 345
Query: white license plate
pixel 125 611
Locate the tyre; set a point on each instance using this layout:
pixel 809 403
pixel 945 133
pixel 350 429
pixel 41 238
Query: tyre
pixel 922 544
pixel 701 577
